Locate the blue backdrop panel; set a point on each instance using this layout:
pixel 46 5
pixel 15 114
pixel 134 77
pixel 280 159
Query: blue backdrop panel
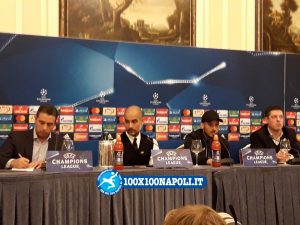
pixel 292 82
pixel 84 73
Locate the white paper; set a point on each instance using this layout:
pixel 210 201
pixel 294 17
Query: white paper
pixel 24 169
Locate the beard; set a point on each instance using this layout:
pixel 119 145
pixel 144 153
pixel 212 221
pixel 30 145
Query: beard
pixel 132 132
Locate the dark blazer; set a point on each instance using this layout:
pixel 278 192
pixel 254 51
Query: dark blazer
pixel 139 156
pixel 21 142
pixel 206 143
pixel 262 139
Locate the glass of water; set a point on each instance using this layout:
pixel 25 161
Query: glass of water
pixel 285 147
pixel 196 147
pixel 68 145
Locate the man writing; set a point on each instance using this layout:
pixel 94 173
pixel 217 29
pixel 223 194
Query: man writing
pixel 271 135
pixel 209 127
pixel 28 149
pixel 137 146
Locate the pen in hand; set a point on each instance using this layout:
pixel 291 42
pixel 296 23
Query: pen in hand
pixel 20 163
pixel 27 160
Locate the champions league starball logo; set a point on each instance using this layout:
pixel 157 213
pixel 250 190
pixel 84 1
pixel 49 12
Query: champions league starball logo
pixel 109 182
pixel 155 100
pixel 296 104
pixel 251 103
pixel 43 98
pixel 43 92
pixel 205 100
pixel 102 99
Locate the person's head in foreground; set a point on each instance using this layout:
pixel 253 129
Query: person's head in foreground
pixel 193 215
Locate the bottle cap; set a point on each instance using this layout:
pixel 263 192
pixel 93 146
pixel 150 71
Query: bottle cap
pixel 216 138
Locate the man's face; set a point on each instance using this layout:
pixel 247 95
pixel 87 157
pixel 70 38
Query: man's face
pixel 275 120
pixel 211 128
pixel 133 122
pixel 44 124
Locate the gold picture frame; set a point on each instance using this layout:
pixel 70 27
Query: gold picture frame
pixel 278 25
pixel 170 22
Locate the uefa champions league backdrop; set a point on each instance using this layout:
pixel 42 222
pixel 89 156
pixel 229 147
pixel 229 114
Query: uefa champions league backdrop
pixel 93 81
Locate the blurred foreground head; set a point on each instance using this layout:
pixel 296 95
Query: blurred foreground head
pixel 193 215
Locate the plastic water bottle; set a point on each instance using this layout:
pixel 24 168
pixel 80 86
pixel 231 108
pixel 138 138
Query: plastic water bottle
pixel 216 152
pixel 118 154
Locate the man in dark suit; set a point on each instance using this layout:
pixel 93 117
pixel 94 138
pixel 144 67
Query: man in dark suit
pixel 137 146
pixel 271 135
pixel 28 149
pixel 209 127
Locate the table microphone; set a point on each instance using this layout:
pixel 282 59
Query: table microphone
pixel 151 140
pixel 233 214
pixel 56 136
pixel 153 143
pixel 295 161
pixel 226 161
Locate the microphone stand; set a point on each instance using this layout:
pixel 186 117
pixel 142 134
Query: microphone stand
pixel 233 214
pixel 294 161
pixel 226 161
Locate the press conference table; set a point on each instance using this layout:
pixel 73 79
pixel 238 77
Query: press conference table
pixel 72 198
pixel 260 195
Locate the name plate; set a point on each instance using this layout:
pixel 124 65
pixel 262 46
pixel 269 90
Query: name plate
pixel 69 161
pixel 259 157
pixel 166 158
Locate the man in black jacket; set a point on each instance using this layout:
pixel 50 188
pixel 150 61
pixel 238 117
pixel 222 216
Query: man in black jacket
pixel 209 127
pixel 28 149
pixel 137 146
pixel 271 135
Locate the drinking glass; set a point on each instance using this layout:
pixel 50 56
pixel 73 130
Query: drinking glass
pixel 196 147
pixel 67 145
pixel 285 147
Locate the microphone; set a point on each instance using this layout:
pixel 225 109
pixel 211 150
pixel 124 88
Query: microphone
pixel 295 161
pixel 56 136
pixel 226 161
pixel 153 142
pixel 233 214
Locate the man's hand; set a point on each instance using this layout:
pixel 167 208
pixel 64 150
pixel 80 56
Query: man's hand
pixel 36 164
pixel 209 162
pixel 282 157
pixel 20 163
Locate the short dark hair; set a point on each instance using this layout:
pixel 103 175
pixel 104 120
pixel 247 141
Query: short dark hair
pixel 271 108
pixel 49 109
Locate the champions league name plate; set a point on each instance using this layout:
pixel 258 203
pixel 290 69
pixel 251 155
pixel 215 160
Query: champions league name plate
pixel 259 157
pixel 69 161
pixel 166 158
